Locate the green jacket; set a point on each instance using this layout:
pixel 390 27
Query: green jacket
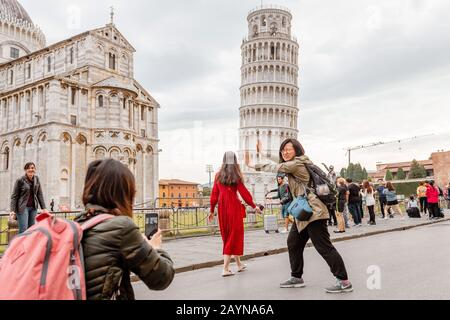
pixel 297 169
pixel 114 248
pixel 281 192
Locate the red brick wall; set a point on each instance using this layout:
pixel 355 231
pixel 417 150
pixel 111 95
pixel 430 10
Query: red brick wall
pixel 441 165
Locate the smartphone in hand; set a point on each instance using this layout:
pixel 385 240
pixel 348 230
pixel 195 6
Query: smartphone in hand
pixel 151 224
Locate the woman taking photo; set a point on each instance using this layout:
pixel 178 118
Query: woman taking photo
pixel 227 183
pixel 26 196
pixel 116 247
pixel 293 162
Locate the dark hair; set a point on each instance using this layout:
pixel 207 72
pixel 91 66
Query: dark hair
pixel 110 184
pixel 411 197
pixel 349 180
pixel 431 183
pixel 390 186
pixel 28 165
pixel 230 174
pixel 299 151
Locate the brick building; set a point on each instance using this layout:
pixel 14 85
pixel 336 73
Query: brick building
pixel 437 167
pixel 178 193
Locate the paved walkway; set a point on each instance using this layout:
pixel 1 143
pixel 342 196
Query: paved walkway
pixel 206 251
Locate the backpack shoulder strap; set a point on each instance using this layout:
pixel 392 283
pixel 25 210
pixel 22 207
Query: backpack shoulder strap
pixel 95 221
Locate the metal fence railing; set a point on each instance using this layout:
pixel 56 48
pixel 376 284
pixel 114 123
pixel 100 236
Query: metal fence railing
pixel 174 222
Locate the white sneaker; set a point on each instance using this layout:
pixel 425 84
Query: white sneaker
pixel 284 231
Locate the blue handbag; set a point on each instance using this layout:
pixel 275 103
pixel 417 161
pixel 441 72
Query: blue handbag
pixel 300 208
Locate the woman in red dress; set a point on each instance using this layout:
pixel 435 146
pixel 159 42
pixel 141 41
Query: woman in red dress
pixel 227 183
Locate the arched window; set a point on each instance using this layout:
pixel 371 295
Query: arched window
pixel 115 154
pixel 64 183
pixel 112 61
pixel 263 21
pixel 100 154
pixel 5 164
pixel 14 53
pixel 100 101
pixel 71 55
pixel 73 96
pixel 29 71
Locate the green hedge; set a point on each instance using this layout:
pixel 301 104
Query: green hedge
pixel 405 188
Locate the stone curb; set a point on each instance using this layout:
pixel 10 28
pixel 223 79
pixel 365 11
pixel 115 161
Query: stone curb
pixel 214 263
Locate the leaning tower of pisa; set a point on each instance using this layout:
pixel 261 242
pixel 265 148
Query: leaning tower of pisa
pixel 269 92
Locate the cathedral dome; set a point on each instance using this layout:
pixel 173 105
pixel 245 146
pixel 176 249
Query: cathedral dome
pixel 19 36
pixel 13 9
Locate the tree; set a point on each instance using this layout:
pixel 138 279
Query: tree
pixel 401 175
pixel 206 191
pixel 359 173
pixel 417 171
pixel 355 172
pixel 389 176
pixel 365 174
pixel 351 171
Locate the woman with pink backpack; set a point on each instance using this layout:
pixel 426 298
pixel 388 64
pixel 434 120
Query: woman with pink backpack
pixel 91 258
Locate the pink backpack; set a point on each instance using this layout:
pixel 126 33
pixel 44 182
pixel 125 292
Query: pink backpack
pixel 46 262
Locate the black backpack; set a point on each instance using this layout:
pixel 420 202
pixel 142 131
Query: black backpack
pixel 323 188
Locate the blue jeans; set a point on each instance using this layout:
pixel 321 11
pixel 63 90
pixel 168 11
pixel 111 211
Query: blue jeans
pixel 346 215
pixel 26 219
pixel 355 210
pixel 284 210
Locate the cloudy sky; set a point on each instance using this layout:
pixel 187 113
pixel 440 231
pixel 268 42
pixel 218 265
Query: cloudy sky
pixel 370 71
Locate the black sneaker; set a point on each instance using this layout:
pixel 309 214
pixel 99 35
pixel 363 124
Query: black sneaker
pixel 337 231
pixel 340 286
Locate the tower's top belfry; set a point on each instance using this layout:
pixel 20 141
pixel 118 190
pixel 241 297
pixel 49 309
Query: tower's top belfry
pixel 270 20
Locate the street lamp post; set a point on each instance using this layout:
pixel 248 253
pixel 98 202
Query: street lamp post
pixel 209 169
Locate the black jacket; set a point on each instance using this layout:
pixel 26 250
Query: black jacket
pixel 114 248
pixel 21 192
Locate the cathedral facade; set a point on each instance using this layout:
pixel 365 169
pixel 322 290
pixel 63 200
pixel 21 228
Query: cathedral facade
pixel 67 104
pixel 269 93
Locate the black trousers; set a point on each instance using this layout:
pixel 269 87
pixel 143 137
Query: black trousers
pixel 317 231
pixel 433 210
pixel 423 204
pixel 360 204
pixel 371 213
pixel 332 212
pixel 383 203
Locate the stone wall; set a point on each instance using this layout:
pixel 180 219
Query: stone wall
pixel 441 165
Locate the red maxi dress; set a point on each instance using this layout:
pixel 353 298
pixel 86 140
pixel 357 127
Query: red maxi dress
pixel 231 215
